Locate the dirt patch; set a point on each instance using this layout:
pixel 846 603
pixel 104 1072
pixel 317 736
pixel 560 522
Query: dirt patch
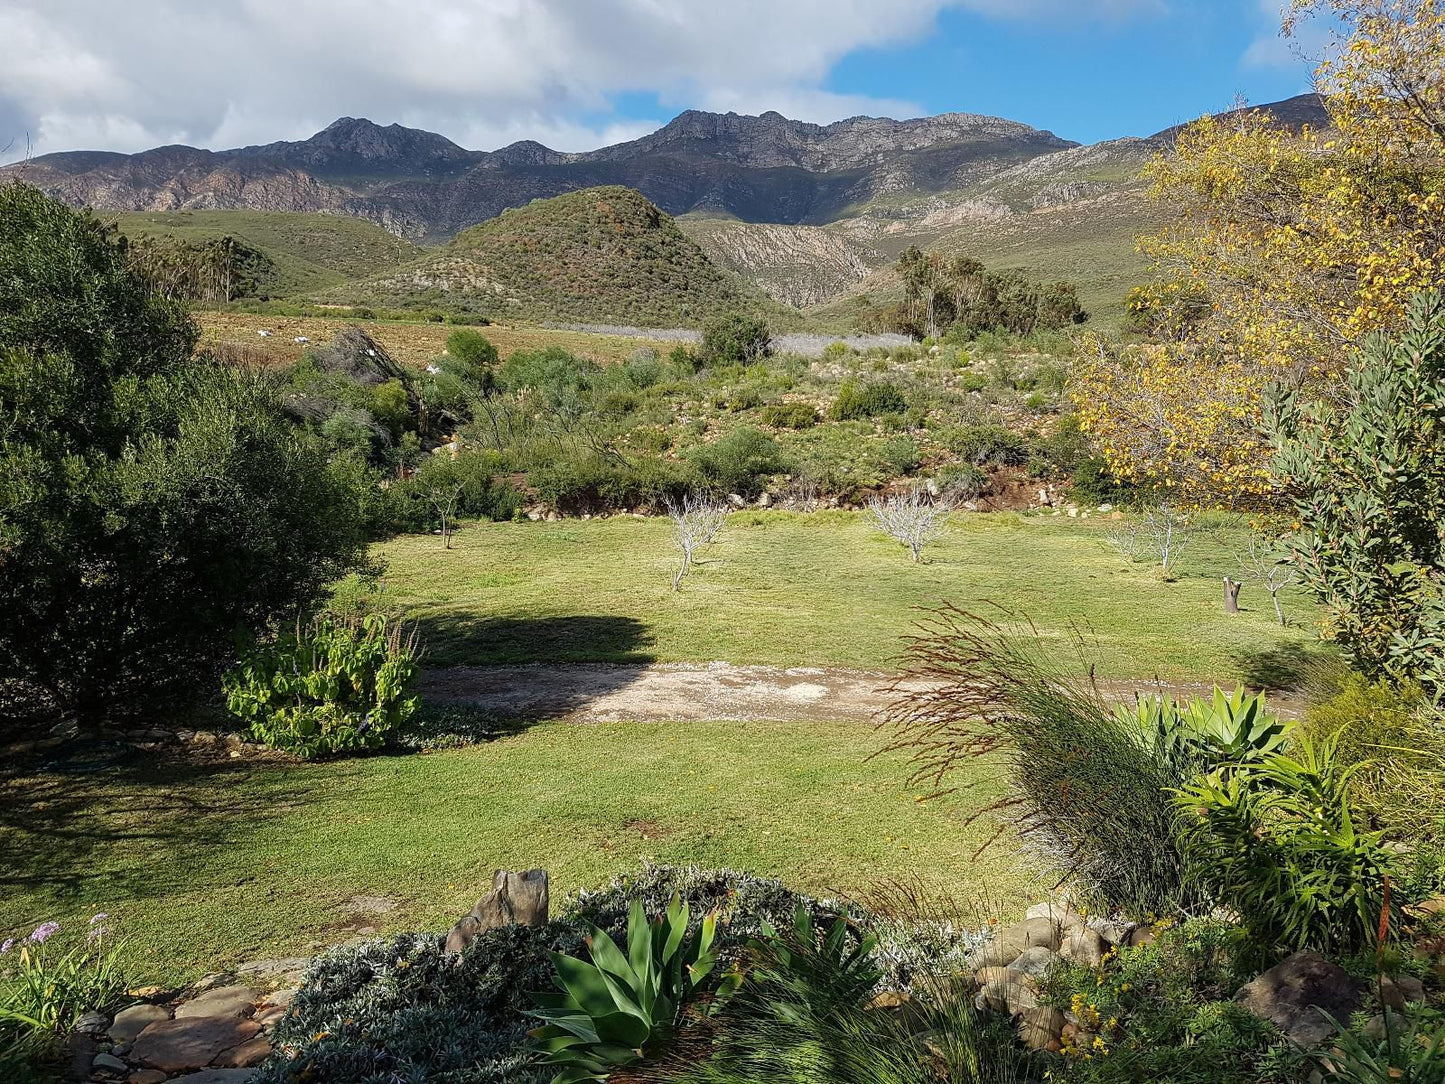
pixel 647 829
pixel 600 692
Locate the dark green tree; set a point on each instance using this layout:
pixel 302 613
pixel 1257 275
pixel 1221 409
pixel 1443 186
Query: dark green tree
pixel 735 337
pixel 151 503
pixel 1365 471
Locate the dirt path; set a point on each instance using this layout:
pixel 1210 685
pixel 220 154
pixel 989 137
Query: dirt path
pixel 603 692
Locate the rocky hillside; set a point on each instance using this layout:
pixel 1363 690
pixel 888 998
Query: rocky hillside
pixel 601 255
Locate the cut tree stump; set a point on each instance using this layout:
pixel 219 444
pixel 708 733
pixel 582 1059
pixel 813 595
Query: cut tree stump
pixel 516 899
pixel 1231 595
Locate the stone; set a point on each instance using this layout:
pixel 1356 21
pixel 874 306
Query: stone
pixel 1010 941
pixel 518 899
pixel 93 1023
pixel 178 1045
pixel 1040 1025
pixel 1114 931
pixel 109 1062
pixel 765 501
pixel 252 1052
pixel 986 975
pixel 1142 935
pixel 216 1076
pixel 1035 962
pixel 1396 991
pixel 1296 994
pixel 1084 946
pixel 288 970
pixel 1106 507
pixel 131 1022
pixel 1060 914
pixel 1009 997
pixel 147 1076
pixel 1375 1026
pixel 220 1001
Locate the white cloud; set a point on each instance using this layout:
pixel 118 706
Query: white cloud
pixel 1270 49
pixel 124 75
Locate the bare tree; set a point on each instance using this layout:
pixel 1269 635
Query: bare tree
pixel 444 497
pixel 1127 538
pixel 696 521
pixel 1169 532
pixel 1270 567
pixel 802 494
pixel 914 520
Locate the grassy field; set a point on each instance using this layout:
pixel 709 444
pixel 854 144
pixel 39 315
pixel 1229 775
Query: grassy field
pixel 820 589
pixel 215 863
pixel 412 343
pixel 311 251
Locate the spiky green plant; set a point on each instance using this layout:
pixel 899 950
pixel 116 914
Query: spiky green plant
pixel 620 1007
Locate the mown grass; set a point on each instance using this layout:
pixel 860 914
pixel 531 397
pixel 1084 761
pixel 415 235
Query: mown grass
pixel 820 589
pixel 204 865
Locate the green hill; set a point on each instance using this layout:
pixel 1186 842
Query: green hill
pixel 598 255
pixel 310 252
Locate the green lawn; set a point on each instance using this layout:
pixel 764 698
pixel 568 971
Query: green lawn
pixel 821 589
pixel 209 865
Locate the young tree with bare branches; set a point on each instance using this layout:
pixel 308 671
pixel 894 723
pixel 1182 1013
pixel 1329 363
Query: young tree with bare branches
pixel 696 521
pixel 1270 567
pixel 914 520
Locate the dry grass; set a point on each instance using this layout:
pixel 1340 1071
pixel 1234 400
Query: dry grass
pixel 412 344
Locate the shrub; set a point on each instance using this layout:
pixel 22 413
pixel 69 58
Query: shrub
pixel 737 461
pixel 900 455
pixel 866 401
pixel 472 348
pixel 789 415
pixel 1275 840
pixel 331 686
pixel 1365 469
pixel 736 337
pixel 988 445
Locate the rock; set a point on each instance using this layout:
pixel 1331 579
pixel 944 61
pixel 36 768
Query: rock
pixel 251 1052
pixel 1106 507
pixel 1295 995
pixel 1398 990
pixel 1035 962
pixel 93 1024
pixel 131 1022
pixel 109 1062
pixel 287 970
pixel 986 975
pixel 178 1045
pixel 120 1050
pixel 1009 997
pixel 216 1076
pixel 1040 1025
pixel 1084 946
pixel 765 501
pixel 1435 905
pixel 515 899
pixel 147 1076
pixel 1142 935
pixel 1114 931
pixel 1375 1026
pixel 1010 941
pixel 1072 511
pixel 220 1001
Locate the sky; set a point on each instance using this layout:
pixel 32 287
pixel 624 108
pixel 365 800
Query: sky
pixel 577 74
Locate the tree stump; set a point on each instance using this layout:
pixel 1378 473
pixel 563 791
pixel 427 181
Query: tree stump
pixel 1231 595
pixel 516 899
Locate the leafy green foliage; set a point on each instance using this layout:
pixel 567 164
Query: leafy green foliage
pixel 1412 1051
pixel 959 297
pixel 335 685
pixel 1365 471
pixel 149 503
pixel 988 445
pixel 735 338
pixel 866 401
pixel 1275 839
pixel 789 415
pixel 472 349
pixel 612 1011
pixel 737 461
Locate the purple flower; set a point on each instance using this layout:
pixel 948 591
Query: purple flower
pixel 44 932
pixel 99 918
pixel 7 946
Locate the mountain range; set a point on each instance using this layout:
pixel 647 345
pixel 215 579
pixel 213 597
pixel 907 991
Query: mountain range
pixel 808 211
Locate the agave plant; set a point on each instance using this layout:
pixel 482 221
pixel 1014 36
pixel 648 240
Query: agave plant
pixel 612 1011
pixel 1232 728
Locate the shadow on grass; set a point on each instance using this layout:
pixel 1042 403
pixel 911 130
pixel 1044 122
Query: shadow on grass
pixel 1282 668
pixel 471 640
pixel 137 826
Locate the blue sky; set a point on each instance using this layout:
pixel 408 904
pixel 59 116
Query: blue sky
pixel 577 74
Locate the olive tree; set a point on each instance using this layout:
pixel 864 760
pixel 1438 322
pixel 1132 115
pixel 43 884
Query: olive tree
pixel 152 504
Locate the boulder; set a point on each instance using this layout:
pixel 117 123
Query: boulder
pixel 1040 1025
pixel 220 1001
pixel 93 1023
pixel 1396 991
pixel 1060 914
pixel 216 1076
pixel 1009 997
pixel 1036 963
pixel 1009 942
pixel 108 1062
pixel 1296 994
pixel 1141 936
pixel 131 1022
pixel 1084 946
pixel 146 1076
pixel 516 899
pixel 177 1045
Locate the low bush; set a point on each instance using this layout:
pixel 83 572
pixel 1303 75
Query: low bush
pixel 789 415
pixel 988 445
pixel 856 401
pixel 736 337
pixel 333 685
pixel 737 461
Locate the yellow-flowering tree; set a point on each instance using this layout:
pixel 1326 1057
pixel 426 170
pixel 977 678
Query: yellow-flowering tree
pixel 1286 248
